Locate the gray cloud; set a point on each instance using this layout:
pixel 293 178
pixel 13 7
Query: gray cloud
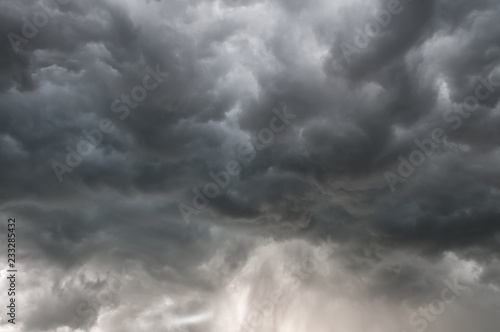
pixel 229 64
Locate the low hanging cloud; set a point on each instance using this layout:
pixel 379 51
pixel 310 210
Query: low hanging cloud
pixel 177 165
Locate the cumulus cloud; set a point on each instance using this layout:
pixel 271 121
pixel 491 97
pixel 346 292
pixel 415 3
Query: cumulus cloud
pixel 373 125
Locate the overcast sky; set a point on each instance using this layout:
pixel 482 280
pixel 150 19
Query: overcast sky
pixel 251 165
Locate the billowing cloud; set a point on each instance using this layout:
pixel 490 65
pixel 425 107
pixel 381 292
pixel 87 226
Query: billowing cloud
pixel 176 165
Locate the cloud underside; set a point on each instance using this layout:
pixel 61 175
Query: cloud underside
pixel 357 160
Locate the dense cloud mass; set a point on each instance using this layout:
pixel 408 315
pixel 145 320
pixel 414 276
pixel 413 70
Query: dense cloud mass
pixel 252 165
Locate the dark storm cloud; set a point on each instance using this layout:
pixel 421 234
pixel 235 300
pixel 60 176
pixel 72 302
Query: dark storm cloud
pixel 229 64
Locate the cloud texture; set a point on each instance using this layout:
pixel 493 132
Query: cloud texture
pixel 385 141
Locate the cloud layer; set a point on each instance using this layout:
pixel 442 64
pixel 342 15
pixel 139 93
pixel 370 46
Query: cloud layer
pixel 390 149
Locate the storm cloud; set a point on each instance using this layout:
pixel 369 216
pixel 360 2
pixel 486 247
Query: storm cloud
pixel 173 164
